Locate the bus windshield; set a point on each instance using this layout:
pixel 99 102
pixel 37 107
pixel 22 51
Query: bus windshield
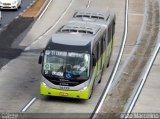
pixel 67 65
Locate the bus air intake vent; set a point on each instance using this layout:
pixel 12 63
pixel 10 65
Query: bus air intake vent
pixel 79 28
pixel 76 31
pixel 92 15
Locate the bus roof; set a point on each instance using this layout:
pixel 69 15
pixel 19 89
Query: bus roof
pixel 71 39
pixel 81 33
pixel 92 14
pixel 76 33
pixel 98 17
pixel 79 27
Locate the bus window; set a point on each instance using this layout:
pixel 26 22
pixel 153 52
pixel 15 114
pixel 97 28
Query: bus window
pixel 72 30
pixel 95 17
pixel 109 34
pixel 113 27
pixel 82 31
pixel 65 30
pixel 78 15
pixel 101 18
pixel 56 63
pixel 104 41
pixel 101 50
pixel 87 16
pixel 102 45
pixel 97 51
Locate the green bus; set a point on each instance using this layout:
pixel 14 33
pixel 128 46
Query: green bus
pixel 75 56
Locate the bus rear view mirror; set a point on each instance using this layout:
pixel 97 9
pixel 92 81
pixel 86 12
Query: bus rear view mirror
pixel 40 58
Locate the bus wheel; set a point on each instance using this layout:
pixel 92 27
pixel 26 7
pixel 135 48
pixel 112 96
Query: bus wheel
pixel 108 63
pixel 100 77
pixel 100 80
pixel 91 93
pixel 109 60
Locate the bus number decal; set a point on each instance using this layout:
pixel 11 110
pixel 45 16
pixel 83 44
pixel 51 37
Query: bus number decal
pixel 46 71
pixel 57 73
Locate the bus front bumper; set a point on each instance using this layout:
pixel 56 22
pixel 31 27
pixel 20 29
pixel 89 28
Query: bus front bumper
pixel 44 90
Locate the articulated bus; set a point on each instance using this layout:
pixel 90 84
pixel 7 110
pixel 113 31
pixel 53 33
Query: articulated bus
pixel 74 58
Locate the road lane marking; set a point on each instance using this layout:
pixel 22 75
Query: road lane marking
pixel 45 10
pixel 29 104
pixel 136 14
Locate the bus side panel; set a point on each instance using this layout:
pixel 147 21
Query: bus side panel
pixel 107 53
pixel 103 59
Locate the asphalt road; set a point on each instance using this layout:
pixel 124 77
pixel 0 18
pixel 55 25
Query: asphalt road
pixel 9 15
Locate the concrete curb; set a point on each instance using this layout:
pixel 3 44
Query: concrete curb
pixel 27 8
pixel 38 13
pixel 42 8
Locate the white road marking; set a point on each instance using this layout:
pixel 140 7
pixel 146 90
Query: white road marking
pixel 137 14
pixel 29 104
pixel 44 10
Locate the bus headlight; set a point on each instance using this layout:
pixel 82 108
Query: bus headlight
pixel 84 88
pixel 44 84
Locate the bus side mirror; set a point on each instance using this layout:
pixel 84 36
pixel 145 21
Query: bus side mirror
pixel 40 58
pixel 94 61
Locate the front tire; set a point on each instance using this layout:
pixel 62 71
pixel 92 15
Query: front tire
pixel 109 59
pixel 91 93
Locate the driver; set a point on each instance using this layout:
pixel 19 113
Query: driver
pixel 80 68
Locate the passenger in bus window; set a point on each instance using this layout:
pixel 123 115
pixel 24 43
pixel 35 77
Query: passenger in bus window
pixel 68 67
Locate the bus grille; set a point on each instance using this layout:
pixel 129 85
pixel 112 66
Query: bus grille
pixel 64 83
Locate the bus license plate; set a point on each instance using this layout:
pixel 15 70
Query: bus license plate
pixel 64 87
pixel 63 94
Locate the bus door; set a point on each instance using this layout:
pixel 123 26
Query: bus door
pixel 103 48
pixel 99 58
pixel 101 45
